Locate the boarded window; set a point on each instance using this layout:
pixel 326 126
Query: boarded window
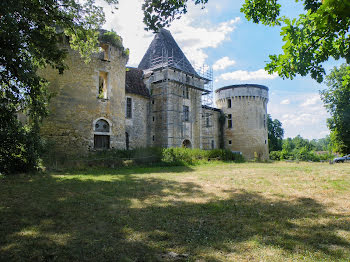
pixel 128 107
pixel 229 121
pixel 186 112
pixel 102 85
pixel 101 141
pixel 229 103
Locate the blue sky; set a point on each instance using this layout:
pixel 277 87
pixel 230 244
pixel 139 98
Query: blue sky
pixel 221 37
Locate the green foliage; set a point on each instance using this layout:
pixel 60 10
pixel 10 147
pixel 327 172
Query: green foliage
pixel 275 134
pixel 29 40
pixel 298 148
pixel 186 156
pixel 159 13
pixel 111 38
pixel 319 34
pixel 322 32
pixel 337 102
pixel 143 156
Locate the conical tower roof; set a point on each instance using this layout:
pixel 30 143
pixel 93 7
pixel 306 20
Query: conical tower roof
pixel 164 46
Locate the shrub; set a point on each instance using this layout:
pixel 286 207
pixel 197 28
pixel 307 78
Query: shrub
pixel 275 155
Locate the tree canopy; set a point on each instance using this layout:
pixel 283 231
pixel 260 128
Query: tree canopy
pixel 322 32
pixel 337 102
pixel 275 134
pixel 29 37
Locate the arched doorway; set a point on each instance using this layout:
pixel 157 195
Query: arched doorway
pixel 186 143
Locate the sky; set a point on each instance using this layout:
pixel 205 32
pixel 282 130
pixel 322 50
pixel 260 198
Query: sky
pixel 237 50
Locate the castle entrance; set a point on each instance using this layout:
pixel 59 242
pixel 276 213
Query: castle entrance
pixel 186 143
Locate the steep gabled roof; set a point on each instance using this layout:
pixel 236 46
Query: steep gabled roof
pixel 164 45
pixel 134 82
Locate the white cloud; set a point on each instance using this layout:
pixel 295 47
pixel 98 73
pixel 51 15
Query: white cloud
pixel 194 39
pixel 285 102
pixel 311 101
pixel 223 63
pixel 308 118
pixel 242 75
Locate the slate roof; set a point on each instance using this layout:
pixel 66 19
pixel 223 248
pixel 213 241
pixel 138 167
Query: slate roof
pixel 163 43
pixel 134 82
pixel 211 108
pixel 242 85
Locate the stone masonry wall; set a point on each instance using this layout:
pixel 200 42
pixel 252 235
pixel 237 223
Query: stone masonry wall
pixel 168 127
pixel 75 106
pixel 210 131
pixel 138 126
pixel 249 113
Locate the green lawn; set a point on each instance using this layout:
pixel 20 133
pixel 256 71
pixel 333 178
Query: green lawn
pixel 214 212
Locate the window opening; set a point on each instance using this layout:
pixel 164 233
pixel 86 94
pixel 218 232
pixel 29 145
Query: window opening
pixel 102 85
pixel 104 52
pixel 229 121
pixel 229 103
pixel 186 113
pixel 101 141
pixel 207 120
pixel 128 107
pixel 127 140
pixel 230 142
pixel 212 144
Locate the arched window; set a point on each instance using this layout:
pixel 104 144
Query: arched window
pixel 101 134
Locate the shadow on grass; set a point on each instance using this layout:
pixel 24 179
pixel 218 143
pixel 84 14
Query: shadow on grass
pixel 47 218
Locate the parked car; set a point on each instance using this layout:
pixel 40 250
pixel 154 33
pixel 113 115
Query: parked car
pixel 341 159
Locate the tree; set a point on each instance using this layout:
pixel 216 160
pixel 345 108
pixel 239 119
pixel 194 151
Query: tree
pixel 337 102
pixel 322 32
pixel 275 134
pixel 29 37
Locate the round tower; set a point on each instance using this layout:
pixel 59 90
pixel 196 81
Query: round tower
pixel 245 128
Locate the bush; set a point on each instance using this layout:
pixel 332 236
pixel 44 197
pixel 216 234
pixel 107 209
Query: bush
pixel 151 156
pixel 275 155
pixel 302 154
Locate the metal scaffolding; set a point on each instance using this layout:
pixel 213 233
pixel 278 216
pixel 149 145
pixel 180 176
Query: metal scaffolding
pixel 170 123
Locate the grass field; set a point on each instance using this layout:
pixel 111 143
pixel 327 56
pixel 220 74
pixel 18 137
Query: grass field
pixel 214 212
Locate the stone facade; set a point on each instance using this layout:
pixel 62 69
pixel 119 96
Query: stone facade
pixel 245 108
pixel 76 105
pixel 104 105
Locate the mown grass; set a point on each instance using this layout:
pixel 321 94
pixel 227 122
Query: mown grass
pixel 214 212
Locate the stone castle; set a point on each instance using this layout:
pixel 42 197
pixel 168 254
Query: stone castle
pixel 104 105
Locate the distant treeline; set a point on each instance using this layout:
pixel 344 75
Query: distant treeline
pixel 299 148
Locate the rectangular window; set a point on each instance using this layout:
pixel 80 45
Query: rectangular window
pixel 207 120
pixel 264 121
pixel 229 103
pixel 101 142
pixel 102 85
pixel 229 121
pixel 128 107
pixel 186 93
pixel 186 111
pixel 230 142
